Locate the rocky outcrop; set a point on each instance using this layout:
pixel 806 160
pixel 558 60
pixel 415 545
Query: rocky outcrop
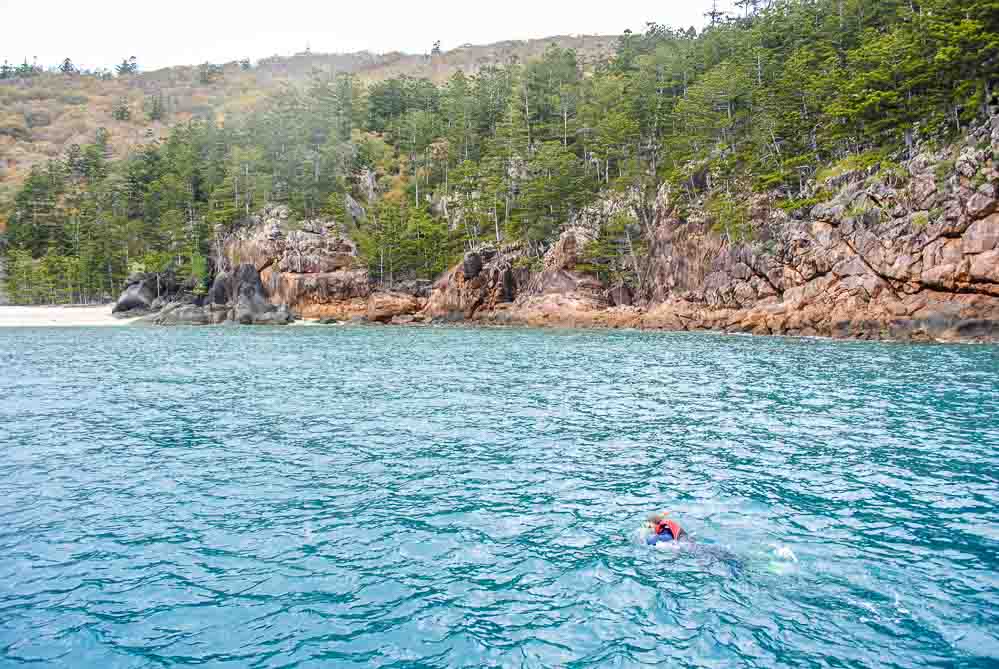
pixel 888 256
pixel 559 294
pixel 250 303
pixel 309 266
pixel 190 313
pixel 136 297
pixel 141 292
pixel 880 260
pixel 388 306
pixel 486 281
pixel 236 297
pixel 910 255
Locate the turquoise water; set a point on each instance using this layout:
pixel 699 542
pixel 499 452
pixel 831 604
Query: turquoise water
pixel 445 497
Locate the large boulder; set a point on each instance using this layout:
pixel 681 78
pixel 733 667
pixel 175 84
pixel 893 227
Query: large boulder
pixel 472 265
pixel 251 304
pixel 383 307
pixel 180 313
pixel 221 290
pixel 620 295
pixel 340 294
pixel 138 295
pixel 417 288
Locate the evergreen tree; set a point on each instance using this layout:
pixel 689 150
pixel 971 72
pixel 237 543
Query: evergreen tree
pixel 127 67
pixel 514 153
pixel 121 110
pixel 156 107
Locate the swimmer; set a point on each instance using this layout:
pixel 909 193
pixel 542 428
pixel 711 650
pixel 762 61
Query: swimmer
pixel 663 529
pixel 663 532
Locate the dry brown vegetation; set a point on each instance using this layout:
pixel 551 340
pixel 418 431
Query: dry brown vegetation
pixel 41 117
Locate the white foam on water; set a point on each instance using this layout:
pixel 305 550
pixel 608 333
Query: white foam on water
pixel 783 561
pixel 784 553
pixel 667 546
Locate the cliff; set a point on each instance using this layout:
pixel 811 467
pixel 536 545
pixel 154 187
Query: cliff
pixel 907 252
pixel 910 255
pixel 310 266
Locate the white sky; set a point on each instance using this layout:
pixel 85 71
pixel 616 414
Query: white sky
pixel 100 33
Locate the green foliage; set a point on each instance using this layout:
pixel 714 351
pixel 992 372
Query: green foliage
pixel 804 204
pixel 515 153
pixel 852 163
pixel 730 217
pixel 23 71
pixel 615 254
pixel 893 173
pixel 861 208
pixel 921 219
pixel 199 272
pixel 127 66
pixel 399 241
pixel 121 110
pixel 943 172
pixel 156 107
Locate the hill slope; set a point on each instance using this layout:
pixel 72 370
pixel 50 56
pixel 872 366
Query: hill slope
pixel 42 116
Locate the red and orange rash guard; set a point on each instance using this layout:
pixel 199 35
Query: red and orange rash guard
pixel 670 526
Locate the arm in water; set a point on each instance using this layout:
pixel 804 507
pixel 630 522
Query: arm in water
pixel 667 534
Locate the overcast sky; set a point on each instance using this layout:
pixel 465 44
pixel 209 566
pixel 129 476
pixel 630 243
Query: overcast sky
pixel 101 33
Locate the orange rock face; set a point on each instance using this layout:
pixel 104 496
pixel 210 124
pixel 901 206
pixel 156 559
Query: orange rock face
pixel 383 307
pixel 309 266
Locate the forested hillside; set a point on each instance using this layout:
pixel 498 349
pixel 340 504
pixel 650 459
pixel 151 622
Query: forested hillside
pixel 765 102
pixel 43 113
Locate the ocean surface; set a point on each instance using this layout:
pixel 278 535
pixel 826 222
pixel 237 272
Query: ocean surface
pixel 367 497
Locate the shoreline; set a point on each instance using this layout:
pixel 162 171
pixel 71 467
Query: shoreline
pixel 61 316
pixel 101 316
pixel 590 326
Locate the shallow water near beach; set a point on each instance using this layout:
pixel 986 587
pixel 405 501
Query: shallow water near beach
pixel 338 496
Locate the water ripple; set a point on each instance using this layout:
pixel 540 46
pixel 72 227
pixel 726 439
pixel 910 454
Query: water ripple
pixel 390 497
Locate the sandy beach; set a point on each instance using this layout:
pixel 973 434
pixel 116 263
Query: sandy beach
pixel 60 316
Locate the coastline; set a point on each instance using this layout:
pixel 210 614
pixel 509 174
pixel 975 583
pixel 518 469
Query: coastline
pixel 61 316
pixel 101 316
pixel 637 324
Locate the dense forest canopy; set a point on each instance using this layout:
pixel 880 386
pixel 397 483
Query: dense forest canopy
pixel 756 102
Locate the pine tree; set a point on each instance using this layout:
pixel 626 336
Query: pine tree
pixel 127 67
pixel 67 67
pixel 157 107
pixel 121 110
pixel 26 70
pixel 714 15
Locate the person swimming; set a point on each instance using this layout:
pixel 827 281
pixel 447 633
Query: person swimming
pixel 663 529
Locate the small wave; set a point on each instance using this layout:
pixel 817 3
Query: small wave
pixel 784 553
